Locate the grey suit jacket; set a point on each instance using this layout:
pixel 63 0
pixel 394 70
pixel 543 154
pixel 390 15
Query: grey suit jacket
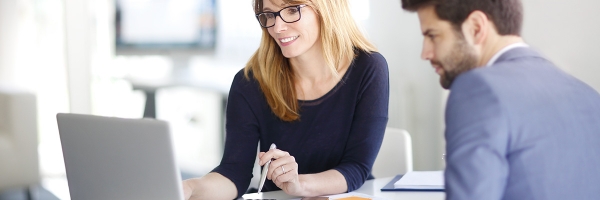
pixel 522 129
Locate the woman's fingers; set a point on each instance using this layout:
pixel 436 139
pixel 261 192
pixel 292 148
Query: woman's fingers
pixel 285 173
pixel 282 166
pixel 283 170
pixel 263 157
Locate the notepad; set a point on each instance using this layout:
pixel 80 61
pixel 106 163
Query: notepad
pixel 421 180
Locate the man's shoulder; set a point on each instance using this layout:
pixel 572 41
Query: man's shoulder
pixel 517 78
pixel 505 81
pixel 512 70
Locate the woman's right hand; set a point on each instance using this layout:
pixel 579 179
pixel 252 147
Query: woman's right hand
pixel 211 186
pixel 187 190
pixel 283 171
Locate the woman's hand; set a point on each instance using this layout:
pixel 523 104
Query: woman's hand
pixel 211 186
pixel 283 171
pixel 187 190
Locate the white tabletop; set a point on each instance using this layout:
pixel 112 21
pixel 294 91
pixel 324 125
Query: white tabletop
pixel 371 187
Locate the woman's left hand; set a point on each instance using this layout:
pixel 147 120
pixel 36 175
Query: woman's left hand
pixel 283 171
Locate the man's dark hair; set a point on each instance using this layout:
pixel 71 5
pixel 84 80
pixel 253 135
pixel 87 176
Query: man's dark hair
pixel 507 15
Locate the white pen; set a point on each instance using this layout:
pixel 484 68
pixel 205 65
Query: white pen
pixel 263 176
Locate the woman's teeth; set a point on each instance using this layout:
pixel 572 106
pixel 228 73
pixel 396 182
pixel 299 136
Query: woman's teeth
pixel 284 40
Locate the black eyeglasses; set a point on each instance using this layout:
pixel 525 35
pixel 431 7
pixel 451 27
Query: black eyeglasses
pixel 288 14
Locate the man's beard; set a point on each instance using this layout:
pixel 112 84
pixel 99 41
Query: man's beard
pixel 462 58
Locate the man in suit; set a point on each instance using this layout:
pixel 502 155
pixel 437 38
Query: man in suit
pixel 517 127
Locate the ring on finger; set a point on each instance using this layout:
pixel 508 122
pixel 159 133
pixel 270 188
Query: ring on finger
pixel 282 169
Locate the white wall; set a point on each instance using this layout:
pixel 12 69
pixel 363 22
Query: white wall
pixel 17 33
pixel 8 21
pixel 564 31
pixel 416 101
pixel 567 33
pixel 78 31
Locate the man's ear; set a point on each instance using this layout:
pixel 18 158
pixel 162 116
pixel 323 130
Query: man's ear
pixel 476 27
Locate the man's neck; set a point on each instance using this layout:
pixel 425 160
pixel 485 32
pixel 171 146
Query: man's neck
pixel 496 44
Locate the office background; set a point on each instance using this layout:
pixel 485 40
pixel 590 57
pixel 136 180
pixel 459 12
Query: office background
pixel 63 50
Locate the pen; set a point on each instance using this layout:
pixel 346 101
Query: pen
pixel 263 176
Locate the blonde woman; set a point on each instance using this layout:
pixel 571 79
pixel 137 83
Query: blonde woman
pixel 318 90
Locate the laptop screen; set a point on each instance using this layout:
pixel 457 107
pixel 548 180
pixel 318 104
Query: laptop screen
pixel 118 158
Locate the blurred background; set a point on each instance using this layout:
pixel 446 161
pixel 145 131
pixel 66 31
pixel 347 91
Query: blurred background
pixel 175 59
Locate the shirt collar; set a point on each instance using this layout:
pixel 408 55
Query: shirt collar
pixel 504 50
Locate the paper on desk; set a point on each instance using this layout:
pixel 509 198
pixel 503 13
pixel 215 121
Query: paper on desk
pixel 253 196
pixel 421 180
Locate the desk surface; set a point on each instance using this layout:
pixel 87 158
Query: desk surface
pixel 371 187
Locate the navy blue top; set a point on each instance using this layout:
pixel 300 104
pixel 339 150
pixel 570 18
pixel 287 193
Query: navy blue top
pixel 341 130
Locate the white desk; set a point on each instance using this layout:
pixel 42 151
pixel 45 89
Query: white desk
pixel 373 188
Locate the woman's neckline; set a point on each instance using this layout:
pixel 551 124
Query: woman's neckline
pixel 332 91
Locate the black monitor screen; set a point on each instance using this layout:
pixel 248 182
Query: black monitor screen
pixel 165 25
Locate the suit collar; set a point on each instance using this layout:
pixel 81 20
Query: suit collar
pixel 504 50
pixel 516 53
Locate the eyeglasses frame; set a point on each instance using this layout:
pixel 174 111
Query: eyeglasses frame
pixel 278 13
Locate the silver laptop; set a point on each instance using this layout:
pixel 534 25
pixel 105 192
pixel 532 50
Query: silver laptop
pixel 117 158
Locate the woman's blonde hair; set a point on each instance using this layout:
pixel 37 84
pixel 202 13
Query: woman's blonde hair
pixel 340 38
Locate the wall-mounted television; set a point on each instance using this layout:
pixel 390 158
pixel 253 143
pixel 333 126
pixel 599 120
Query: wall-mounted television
pixel 171 27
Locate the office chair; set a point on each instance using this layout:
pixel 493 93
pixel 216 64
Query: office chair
pixel 395 155
pixel 19 165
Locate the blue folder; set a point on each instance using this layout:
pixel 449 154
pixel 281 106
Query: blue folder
pixel 390 186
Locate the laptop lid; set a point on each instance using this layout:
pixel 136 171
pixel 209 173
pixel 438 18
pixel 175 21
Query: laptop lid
pixel 117 158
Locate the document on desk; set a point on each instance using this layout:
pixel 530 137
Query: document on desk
pixel 429 180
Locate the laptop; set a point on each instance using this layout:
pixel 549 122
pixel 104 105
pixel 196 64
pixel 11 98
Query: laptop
pixel 118 158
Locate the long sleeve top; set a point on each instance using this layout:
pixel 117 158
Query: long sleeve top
pixel 342 130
